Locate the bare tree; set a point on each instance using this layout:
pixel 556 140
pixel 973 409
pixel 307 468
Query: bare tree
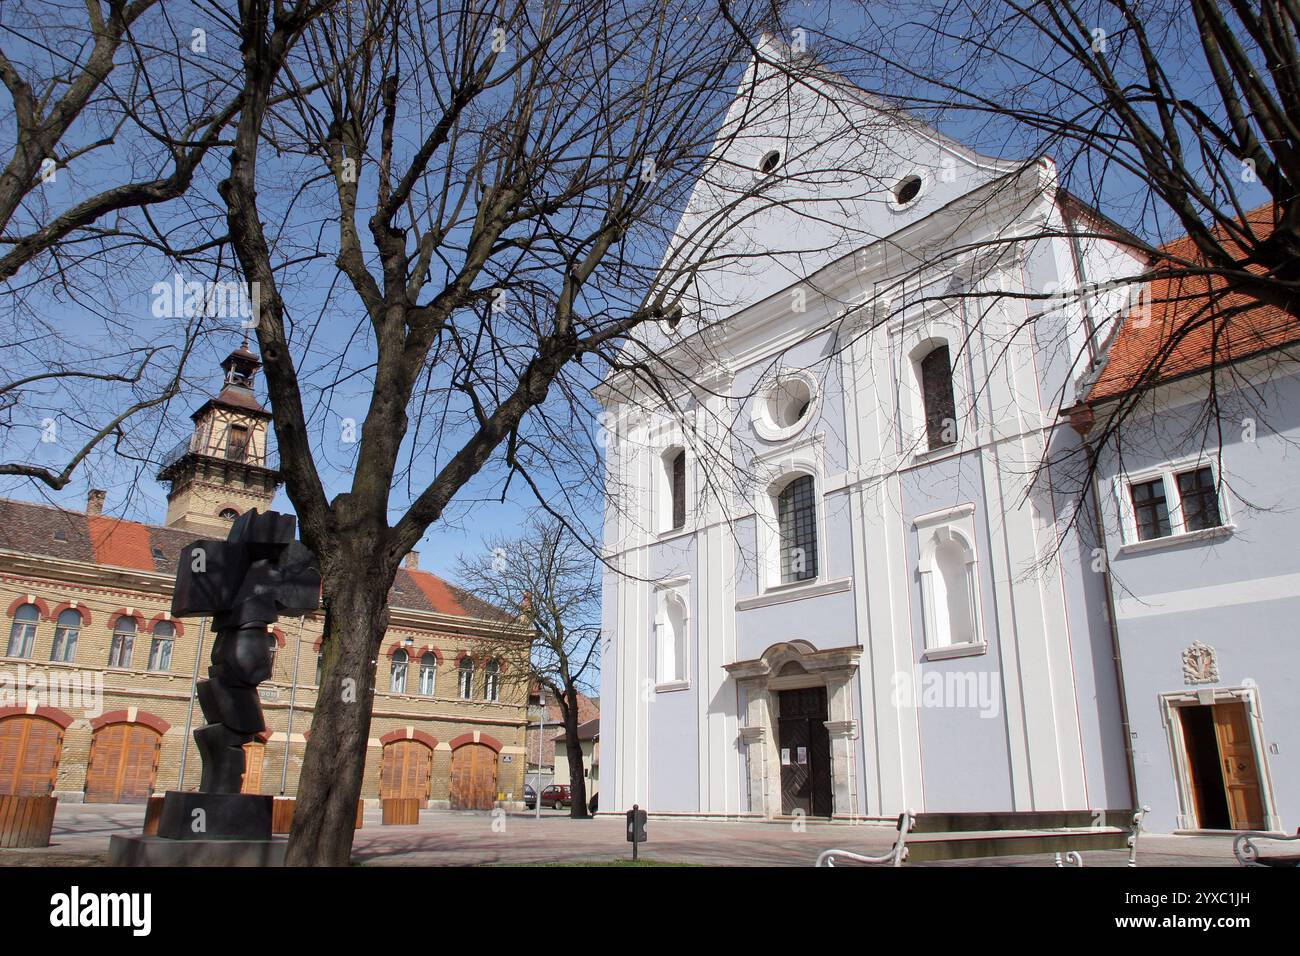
pixel 112 109
pixel 547 578
pixel 486 194
pixel 1175 120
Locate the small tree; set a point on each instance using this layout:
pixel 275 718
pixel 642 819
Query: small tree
pixel 548 578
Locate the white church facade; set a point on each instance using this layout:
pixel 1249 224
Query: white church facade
pixel 843 587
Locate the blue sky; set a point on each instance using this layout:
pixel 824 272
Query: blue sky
pixel 114 303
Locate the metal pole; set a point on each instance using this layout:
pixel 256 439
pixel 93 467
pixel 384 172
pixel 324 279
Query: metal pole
pixel 541 749
pixel 293 696
pixel 194 689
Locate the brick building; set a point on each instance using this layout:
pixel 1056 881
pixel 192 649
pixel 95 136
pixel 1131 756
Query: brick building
pixel 97 679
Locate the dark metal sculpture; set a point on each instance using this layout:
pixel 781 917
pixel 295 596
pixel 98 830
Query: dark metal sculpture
pixel 244 582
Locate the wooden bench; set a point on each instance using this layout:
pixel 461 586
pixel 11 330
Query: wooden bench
pixel 924 837
pixel 26 821
pixel 401 811
pixel 1246 850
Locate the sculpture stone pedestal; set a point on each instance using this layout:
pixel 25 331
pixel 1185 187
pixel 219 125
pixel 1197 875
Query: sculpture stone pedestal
pixel 205 829
pixel 159 851
pixel 215 816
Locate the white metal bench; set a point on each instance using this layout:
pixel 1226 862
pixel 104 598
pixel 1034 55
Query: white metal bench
pixel 1246 849
pixel 925 837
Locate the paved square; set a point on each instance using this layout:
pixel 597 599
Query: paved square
pixel 81 833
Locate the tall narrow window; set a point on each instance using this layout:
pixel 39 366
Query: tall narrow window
pixel 678 469
pixel 397 673
pixel 428 674
pixel 22 633
pixel 937 395
pixel 1150 511
pixel 320 666
pixel 272 649
pixel 465 675
pixel 66 631
pixel 796 513
pixel 492 681
pixel 160 648
pixel 1200 499
pixel 119 652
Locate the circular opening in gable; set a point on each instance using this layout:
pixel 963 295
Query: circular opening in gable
pixel 771 159
pixel 907 189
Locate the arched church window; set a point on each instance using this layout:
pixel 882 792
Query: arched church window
pixel 796 516
pixel 937 397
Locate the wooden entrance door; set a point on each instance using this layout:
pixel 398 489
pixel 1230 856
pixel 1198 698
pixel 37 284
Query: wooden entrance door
pixel 405 772
pixel 805 751
pixel 29 755
pixel 123 761
pixel 1240 772
pixel 473 777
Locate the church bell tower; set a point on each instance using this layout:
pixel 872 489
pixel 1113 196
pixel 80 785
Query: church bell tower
pixel 223 468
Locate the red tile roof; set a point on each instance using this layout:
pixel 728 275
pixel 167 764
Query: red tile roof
pixel 112 542
pixel 1193 323
pixel 120 544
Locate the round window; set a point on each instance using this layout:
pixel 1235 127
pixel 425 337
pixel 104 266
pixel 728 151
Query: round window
pixel 230 514
pixel 907 189
pixel 789 402
pixel 785 407
pixel 771 159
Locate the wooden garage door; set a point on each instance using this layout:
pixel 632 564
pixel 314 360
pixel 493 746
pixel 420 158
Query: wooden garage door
pixel 123 761
pixel 406 769
pixel 29 755
pixel 473 777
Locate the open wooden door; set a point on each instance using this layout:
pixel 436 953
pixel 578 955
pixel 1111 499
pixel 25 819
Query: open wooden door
pixel 1240 771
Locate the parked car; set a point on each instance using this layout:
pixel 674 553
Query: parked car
pixel 530 797
pixel 557 796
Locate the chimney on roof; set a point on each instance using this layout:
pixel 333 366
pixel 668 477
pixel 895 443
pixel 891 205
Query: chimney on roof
pixel 95 501
pixel 413 561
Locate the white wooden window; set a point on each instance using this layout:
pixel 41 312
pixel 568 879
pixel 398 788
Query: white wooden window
pixel 1171 502
pixel 397 672
pixel 428 674
pixel 66 632
pixel 22 633
pixel 466 676
pixel 160 648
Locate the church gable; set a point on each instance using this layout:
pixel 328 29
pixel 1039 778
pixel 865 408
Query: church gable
pixel 806 170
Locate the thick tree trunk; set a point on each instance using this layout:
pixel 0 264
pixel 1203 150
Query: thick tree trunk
pixel 573 747
pixel 356 596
